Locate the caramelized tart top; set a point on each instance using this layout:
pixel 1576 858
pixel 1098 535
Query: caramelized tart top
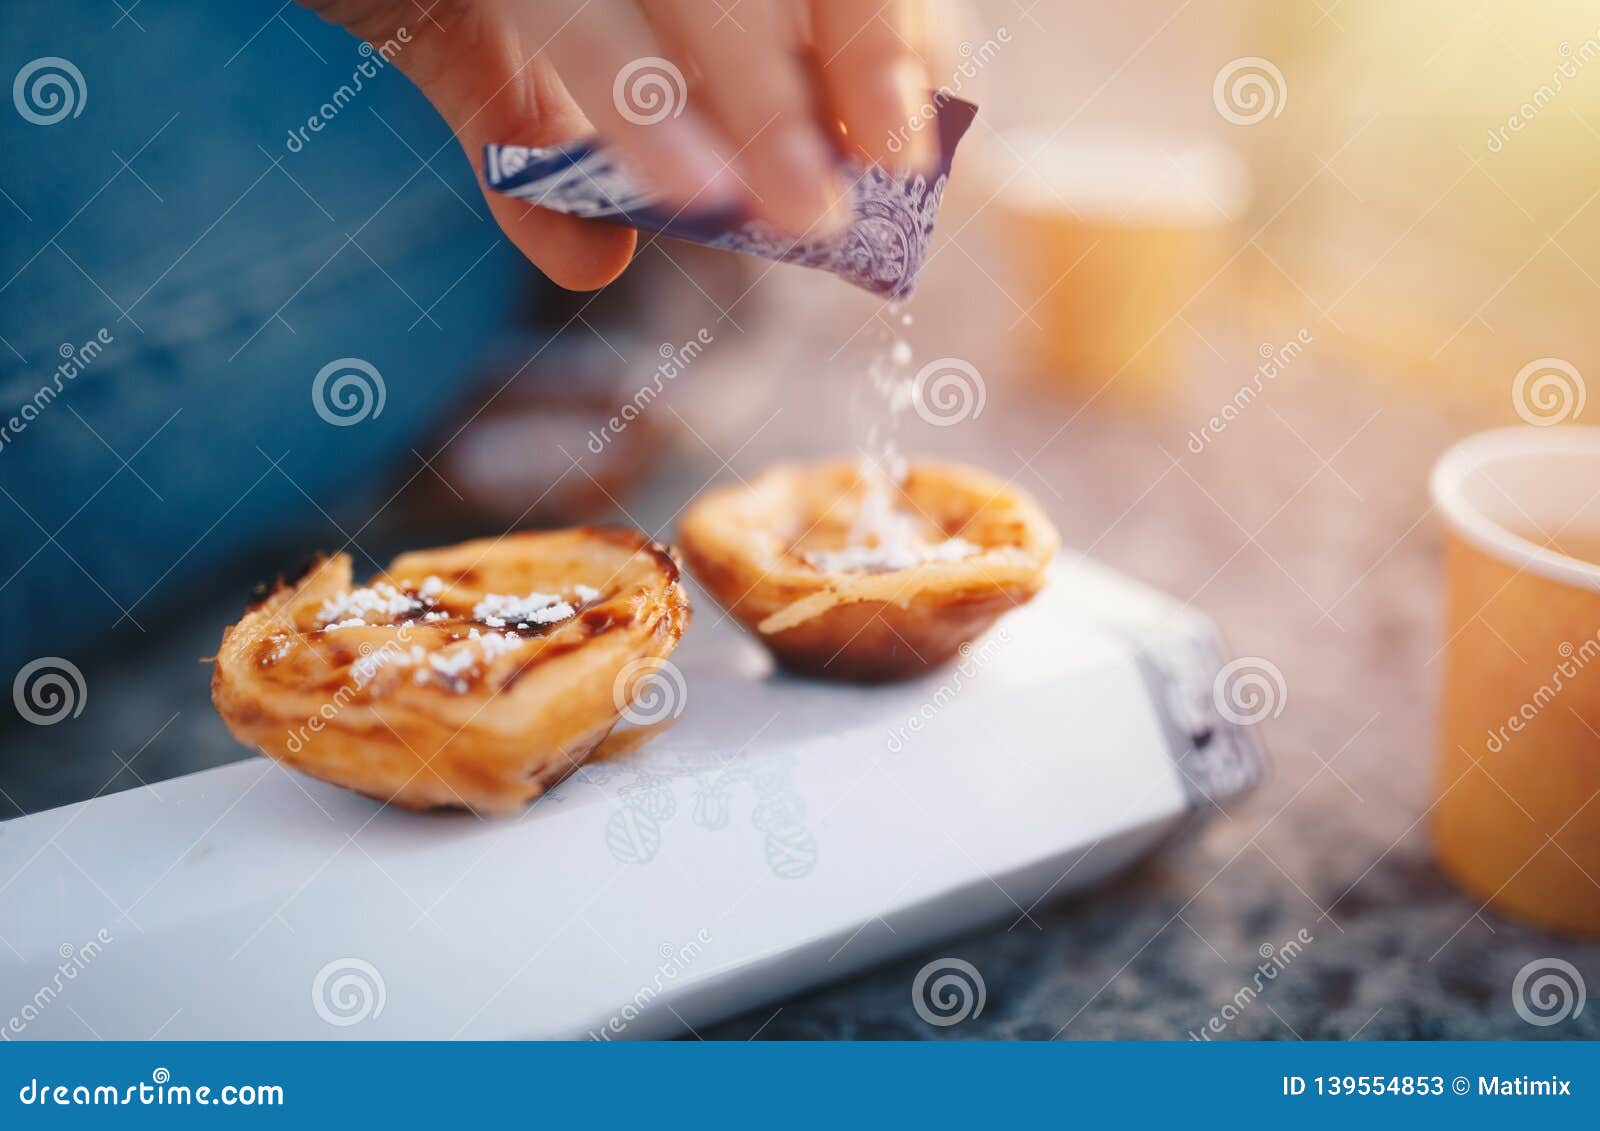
pixel 828 533
pixel 451 631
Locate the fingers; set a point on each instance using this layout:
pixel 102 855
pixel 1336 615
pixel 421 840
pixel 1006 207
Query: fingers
pixel 754 90
pixel 637 98
pixel 873 79
pixel 580 255
pixel 754 133
pixel 487 90
pixel 534 109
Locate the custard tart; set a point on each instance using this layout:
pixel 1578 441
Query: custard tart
pixel 473 676
pixel 847 572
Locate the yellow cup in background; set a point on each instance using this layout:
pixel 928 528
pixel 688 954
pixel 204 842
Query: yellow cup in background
pixel 1107 237
pixel 1517 817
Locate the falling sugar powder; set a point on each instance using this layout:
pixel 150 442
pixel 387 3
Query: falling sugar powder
pixel 884 536
pixel 886 557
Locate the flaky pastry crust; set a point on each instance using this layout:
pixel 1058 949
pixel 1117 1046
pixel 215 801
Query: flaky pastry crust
pixel 440 683
pixel 753 546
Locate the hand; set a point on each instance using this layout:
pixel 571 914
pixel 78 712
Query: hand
pixel 711 102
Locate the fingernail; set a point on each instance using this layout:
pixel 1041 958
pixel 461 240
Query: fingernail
pixel 805 191
pixel 688 167
pixel 840 211
pixel 918 154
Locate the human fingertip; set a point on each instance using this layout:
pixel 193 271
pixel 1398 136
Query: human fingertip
pixel 680 160
pixel 594 263
pixel 887 118
pixel 699 177
pixel 795 182
pixel 578 255
pixel 840 210
pixel 918 125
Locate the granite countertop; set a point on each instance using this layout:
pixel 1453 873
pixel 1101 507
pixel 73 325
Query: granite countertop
pixel 1304 530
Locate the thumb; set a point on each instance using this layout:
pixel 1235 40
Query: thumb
pixel 474 70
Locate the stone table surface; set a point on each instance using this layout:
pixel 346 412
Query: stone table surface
pixel 1304 529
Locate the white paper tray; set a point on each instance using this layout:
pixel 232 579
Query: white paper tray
pixel 781 834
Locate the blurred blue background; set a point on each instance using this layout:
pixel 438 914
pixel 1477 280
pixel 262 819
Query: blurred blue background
pixel 168 214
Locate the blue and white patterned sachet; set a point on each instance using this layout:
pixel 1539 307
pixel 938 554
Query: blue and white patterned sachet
pixel 882 249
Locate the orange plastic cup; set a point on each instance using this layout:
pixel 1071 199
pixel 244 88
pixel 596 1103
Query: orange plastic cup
pixel 1108 236
pixel 1517 816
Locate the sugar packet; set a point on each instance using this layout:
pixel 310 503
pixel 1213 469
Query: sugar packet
pixel 882 249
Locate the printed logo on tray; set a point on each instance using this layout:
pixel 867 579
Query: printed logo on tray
pixel 721 791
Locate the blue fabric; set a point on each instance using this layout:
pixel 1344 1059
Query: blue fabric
pixel 223 283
